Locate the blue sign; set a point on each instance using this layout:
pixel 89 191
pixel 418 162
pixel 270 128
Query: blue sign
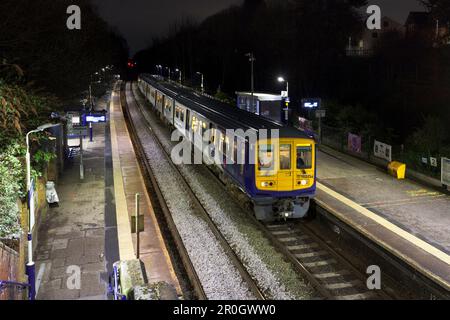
pixel 311 103
pixel 95 118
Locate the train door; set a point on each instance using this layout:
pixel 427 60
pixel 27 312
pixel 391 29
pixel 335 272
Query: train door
pixel 188 124
pixel 285 170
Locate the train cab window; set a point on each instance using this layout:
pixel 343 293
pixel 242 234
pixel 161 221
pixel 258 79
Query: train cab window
pixel 285 157
pixel 304 157
pixel 177 113
pixel 265 157
pixel 182 115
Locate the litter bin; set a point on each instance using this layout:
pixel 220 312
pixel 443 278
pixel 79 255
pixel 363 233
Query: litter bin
pixel 397 169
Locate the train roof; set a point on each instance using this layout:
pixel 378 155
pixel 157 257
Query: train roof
pixel 222 114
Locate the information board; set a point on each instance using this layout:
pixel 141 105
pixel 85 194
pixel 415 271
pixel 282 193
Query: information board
pixel 445 172
pixel 382 150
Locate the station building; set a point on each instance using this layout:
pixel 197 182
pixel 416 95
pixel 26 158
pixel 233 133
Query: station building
pixel 264 104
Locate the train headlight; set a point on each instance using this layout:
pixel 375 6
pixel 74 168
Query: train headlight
pixel 267 184
pixel 302 182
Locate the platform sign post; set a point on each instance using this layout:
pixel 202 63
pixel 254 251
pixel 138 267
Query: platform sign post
pixel 445 172
pixel 93 118
pixel 81 159
pixel 320 113
pixel 137 223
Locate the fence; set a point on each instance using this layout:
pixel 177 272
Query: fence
pixel 427 164
pixel 9 267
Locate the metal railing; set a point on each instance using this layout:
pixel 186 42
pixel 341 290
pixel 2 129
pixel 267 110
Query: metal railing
pixel 11 290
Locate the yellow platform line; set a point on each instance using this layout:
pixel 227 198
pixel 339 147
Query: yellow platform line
pixel 126 248
pixel 152 216
pixel 388 225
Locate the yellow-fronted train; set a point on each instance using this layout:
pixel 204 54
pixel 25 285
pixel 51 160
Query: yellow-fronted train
pixel 277 167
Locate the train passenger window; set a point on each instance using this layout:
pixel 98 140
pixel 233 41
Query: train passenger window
pixel 265 157
pixel 285 157
pixel 177 113
pixel 242 148
pixel 304 157
pixel 194 124
pixel 182 115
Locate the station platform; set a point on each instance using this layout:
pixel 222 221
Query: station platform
pixel 91 229
pixel 128 181
pixel 409 220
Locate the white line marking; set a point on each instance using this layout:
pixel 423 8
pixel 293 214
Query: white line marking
pixel 39 277
pixel 388 225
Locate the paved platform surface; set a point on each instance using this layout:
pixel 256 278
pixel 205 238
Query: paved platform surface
pixel 90 229
pixel 127 174
pixel 411 220
pixel 73 234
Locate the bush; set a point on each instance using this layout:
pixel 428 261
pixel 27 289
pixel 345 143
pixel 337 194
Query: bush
pixel 11 188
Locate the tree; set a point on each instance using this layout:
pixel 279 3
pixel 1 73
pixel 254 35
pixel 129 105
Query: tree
pixel 440 9
pixel 35 37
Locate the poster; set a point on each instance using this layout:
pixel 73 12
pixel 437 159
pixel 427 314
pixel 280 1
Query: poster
pixel 354 143
pixel 445 172
pixel 382 150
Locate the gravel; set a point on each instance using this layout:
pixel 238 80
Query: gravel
pixel 276 278
pixel 219 277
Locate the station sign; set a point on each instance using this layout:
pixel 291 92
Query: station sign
pixel 79 131
pixel 445 172
pixel 75 124
pixel 95 118
pixel 311 103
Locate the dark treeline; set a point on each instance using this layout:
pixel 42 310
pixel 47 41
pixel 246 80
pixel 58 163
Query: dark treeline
pixel 394 91
pixel 35 38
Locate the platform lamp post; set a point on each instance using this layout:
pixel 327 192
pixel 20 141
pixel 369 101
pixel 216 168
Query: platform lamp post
pixel 179 75
pixel 159 68
pixel 30 266
pixel 169 72
pixel 286 111
pixel 202 85
pixel 251 59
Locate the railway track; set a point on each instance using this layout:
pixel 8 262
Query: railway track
pixel 325 269
pixel 194 202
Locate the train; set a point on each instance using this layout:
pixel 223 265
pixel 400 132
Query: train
pixel 276 169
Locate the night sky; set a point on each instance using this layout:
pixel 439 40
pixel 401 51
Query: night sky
pixel 141 20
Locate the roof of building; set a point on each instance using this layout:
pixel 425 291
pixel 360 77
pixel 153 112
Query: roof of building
pixel 261 96
pixel 418 18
